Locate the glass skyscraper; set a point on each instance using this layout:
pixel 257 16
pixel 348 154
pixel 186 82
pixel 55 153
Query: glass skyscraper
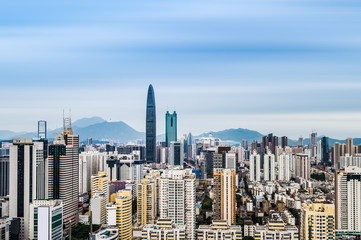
pixel 170 128
pixel 151 126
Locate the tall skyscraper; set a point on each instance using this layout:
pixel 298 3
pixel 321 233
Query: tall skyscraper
pixel 176 154
pixel 255 167
pixel 151 134
pixel 4 176
pixel 303 166
pixel 42 129
pixel 313 144
pixel 284 167
pixel 124 214
pixel 284 142
pixel 269 167
pixel 177 199
pixel 63 171
pixel 317 221
pixel 349 146
pixel 224 204
pixel 170 128
pixel 146 202
pixel 300 142
pixel 25 179
pixel 325 152
pixel 348 199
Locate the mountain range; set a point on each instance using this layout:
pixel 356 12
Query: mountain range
pixel 99 129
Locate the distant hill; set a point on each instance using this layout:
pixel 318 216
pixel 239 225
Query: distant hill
pixel 85 122
pixel 235 135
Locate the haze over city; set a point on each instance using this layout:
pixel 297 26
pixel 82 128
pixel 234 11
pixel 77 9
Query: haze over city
pixel 273 66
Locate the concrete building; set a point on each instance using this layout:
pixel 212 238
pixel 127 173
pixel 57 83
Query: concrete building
pixel 284 167
pixel 63 171
pixel 276 229
pixel 4 175
pixel 224 203
pixel 317 221
pixel 100 184
pixel 220 230
pixel 124 214
pixel 5 229
pixel 46 220
pixel 27 178
pixel 177 198
pixel 230 160
pixel 303 166
pixel 164 229
pixel 98 204
pixel 269 167
pixel 348 199
pixel 255 167
pixel 146 202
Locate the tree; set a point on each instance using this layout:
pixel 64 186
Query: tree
pixel 248 238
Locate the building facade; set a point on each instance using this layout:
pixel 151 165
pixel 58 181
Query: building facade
pixel 151 133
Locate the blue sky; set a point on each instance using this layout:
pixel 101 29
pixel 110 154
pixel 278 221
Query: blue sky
pixel 274 66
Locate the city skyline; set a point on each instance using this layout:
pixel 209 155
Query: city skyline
pixel 283 67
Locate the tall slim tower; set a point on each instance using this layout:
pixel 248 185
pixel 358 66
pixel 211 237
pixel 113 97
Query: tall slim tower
pixel 42 129
pixel 170 128
pixel 151 126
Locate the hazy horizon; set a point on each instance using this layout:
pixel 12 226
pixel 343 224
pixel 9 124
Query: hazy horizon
pixel 287 67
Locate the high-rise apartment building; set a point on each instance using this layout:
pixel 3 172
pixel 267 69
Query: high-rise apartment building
pixel 303 166
pixel 255 167
pixel 230 160
pixel 63 171
pixel 151 134
pixel 124 214
pixel 178 197
pixel 325 150
pixel 284 167
pixel 269 167
pixel 224 203
pixel 164 229
pixel 317 221
pixel 26 179
pixel 100 184
pixel 348 199
pixel 146 202
pixel 46 220
pixel 170 128
pixel 349 146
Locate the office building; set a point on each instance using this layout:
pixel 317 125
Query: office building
pixel 176 154
pixel 317 221
pixel 177 198
pixel 325 152
pixel 224 203
pixel 303 166
pixel 348 199
pixel 284 167
pixel 164 229
pixel 124 214
pixel 349 146
pixel 170 128
pixel 64 173
pixel 313 144
pixel 151 133
pixel 42 129
pixel 269 167
pixel 219 229
pixel 255 167
pixel 230 160
pixel 26 179
pixel 4 175
pixel 300 142
pixel 146 202
pixel 46 220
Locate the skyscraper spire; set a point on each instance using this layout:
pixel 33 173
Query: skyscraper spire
pixel 151 126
